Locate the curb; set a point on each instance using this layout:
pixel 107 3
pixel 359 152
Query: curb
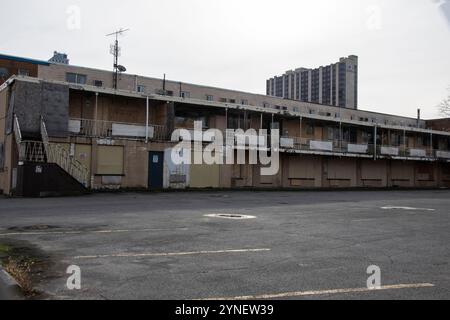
pixel 9 288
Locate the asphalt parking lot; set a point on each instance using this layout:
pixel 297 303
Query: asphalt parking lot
pixel 299 245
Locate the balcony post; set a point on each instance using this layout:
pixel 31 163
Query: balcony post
pixel 375 143
pixel 226 119
pixel 431 142
pixel 96 114
pixel 301 129
pixel 146 119
pixel 404 141
pixel 261 121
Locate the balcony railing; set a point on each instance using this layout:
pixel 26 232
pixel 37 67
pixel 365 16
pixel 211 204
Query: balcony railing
pixel 113 129
pixel 337 146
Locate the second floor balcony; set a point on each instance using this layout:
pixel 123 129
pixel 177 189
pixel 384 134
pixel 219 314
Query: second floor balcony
pixel 345 148
pixel 138 131
pixel 113 129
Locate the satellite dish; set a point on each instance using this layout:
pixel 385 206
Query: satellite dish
pixel 121 68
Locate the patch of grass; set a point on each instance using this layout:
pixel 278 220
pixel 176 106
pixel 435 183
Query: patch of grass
pixel 4 249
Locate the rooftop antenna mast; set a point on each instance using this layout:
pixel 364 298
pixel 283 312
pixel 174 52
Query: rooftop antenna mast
pixel 115 51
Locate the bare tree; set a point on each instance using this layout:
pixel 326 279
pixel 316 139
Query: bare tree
pixel 444 106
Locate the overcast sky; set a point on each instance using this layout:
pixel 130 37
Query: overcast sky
pixel 403 45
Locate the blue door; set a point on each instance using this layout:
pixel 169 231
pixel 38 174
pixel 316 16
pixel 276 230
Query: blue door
pixel 155 170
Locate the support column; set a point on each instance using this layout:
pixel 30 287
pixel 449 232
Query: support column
pixel 146 119
pixel 301 133
pixel 359 173
pixel 375 143
pixel 96 114
pixel 389 173
pixel 170 119
pixel 404 142
pixel 226 118
pixel 431 143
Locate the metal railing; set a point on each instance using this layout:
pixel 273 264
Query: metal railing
pixel 32 151
pixel 114 129
pixel 56 153
pixel 337 146
pixel 311 144
pixel 17 132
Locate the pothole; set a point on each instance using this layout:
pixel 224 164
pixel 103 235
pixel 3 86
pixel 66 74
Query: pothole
pixel 232 216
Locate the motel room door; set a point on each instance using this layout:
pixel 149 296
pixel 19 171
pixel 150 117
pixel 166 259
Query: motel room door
pixel 155 170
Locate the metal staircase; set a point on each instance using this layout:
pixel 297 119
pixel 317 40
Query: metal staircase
pixel 47 152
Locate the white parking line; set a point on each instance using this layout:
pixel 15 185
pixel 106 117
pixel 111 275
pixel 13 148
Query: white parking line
pixel 324 292
pixel 169 254
pixel 406 208
pixel 83 232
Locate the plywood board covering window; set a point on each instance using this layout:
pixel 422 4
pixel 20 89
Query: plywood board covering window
pixel 110 160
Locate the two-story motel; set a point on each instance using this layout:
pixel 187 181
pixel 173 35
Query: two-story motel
pixel 64 129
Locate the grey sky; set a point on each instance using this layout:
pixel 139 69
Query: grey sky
pixel 403 45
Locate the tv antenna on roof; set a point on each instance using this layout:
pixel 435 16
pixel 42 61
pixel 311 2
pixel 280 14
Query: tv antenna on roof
pixel 115 51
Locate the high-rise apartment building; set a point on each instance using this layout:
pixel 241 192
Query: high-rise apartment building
pixel 58 57
pixel 333 85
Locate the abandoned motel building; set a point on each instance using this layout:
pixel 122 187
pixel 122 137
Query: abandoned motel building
pixel 65 129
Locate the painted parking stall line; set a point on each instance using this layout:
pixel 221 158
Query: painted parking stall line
pixel 406 208
pixel 323 292
pixel 171 254
pixel 112 231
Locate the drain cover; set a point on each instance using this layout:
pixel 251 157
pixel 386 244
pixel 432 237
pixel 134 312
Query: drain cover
pixel 230 216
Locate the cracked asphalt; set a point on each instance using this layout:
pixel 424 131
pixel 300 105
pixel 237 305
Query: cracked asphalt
pixel 162 246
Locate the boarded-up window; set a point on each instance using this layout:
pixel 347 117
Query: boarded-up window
pixel 110 160
pixel 425 172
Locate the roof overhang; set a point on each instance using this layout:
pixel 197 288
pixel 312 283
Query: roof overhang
pixel 25 60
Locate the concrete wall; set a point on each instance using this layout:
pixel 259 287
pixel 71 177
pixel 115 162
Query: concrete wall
pixel 402 173
pixel 33 100
pixel 204 176
pixel 339 173
pixel 302 171
pixel 8 175
pixel 3 169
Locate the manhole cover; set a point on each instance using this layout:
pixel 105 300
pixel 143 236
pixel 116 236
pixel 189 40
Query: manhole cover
pixel 230 216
